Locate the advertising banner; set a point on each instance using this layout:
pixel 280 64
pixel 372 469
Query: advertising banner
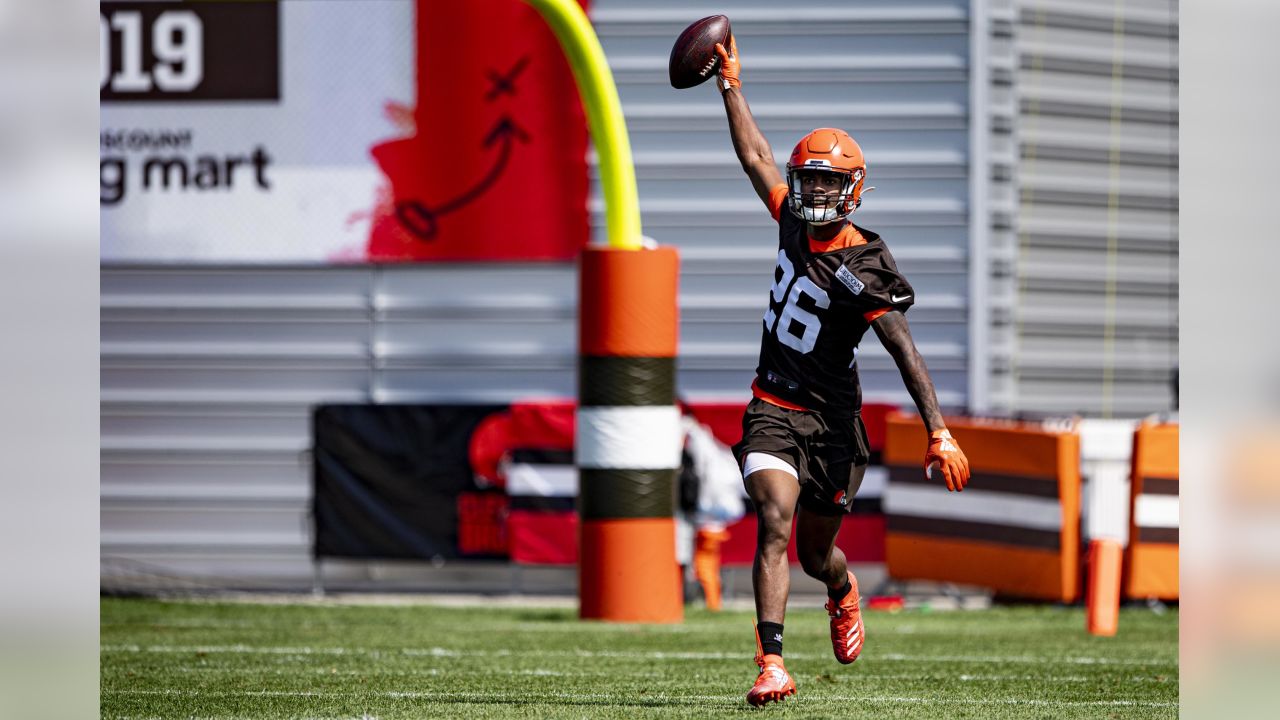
pixel 499 482
pixel 342 131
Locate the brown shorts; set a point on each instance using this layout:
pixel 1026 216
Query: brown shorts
pixel 823 453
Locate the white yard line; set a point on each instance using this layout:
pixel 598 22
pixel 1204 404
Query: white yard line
pixel 539 626
pixel 435 671
pixel 496 628
pixel 238 717
pixel 524 696
pixel 631 655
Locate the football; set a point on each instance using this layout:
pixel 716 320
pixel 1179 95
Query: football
pixel 693 57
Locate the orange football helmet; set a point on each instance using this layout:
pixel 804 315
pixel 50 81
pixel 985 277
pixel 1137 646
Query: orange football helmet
pixel 826 150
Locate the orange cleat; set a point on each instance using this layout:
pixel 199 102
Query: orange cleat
pixel 847 630
pixel 773 684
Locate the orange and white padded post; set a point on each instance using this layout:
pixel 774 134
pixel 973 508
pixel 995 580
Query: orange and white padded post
pixel 629 437
pixel 1102 601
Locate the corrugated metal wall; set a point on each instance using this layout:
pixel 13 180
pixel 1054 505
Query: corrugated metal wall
pixel 209 374
pixel 1086 291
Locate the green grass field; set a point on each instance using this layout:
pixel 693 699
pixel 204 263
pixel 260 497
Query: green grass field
pixel 241 660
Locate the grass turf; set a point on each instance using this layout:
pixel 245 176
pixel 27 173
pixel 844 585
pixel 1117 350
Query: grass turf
pixel 241 660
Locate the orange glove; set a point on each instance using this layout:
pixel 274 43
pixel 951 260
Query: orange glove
pixel 945 453
pixel 729 67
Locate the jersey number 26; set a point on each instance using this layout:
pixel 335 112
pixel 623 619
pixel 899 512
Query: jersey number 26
pixel 787 286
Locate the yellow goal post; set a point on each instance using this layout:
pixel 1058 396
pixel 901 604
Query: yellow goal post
pixel 607 126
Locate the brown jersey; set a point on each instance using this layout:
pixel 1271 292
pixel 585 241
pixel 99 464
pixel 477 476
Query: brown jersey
pixel 822 302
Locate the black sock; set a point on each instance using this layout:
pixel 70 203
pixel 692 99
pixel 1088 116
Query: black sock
pixel 838 594
pixel 770 637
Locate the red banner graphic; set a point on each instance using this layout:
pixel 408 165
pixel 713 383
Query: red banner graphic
pixel 494 165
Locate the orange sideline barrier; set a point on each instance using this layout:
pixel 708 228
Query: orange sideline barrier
pixel 1151 560
pixel 1015 528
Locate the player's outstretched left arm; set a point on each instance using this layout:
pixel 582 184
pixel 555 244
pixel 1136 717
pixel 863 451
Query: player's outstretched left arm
pixel 943 452
pixel 748 142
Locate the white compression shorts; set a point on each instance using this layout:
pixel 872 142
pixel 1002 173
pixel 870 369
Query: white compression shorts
pixel 764 461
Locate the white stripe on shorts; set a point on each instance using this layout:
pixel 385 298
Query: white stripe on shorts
pixel 764 461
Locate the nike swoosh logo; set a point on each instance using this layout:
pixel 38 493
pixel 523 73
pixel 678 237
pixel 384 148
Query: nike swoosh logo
pixel 895 298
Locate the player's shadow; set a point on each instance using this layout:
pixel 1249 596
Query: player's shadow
pixel 548 615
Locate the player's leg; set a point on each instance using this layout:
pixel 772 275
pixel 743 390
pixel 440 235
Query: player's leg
pixel 706 562
pixel 816 547
pixel 816 529
pixel 769 453
pixel 773 491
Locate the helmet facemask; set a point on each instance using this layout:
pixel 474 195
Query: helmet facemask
pixel 828 207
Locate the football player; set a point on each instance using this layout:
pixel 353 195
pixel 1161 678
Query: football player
pixel 804 448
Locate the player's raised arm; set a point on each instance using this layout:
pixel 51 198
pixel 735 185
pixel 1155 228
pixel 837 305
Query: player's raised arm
pixel 748 142
pixel 895 335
